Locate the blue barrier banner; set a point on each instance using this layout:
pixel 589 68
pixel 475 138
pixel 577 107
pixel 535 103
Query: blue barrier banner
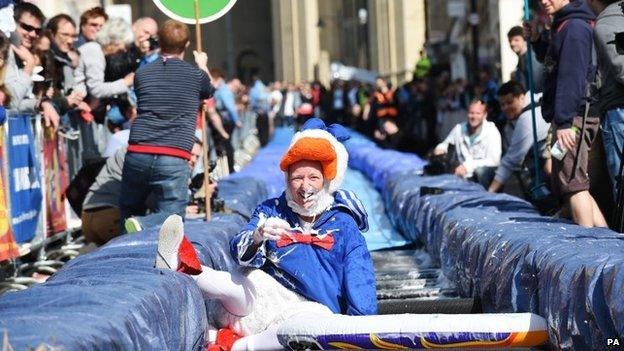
pixel 25 192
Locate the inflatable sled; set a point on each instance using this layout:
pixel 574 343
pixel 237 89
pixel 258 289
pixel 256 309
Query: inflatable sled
pixel 412 331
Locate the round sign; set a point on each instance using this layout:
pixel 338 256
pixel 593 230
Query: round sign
pixel 184 10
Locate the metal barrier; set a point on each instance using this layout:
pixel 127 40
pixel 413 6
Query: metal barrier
pixel 35 175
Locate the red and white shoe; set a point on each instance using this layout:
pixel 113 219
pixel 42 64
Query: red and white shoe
pixel 225 340
pixel 175 252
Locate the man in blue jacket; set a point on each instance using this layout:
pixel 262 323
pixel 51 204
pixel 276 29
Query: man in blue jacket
pixel 568 70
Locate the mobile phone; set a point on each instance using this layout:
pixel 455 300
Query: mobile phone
pixel 153 42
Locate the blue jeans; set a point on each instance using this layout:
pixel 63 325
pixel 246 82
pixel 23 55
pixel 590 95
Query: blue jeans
pixel 613 140
pixel 166 177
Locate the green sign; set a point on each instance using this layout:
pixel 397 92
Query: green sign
pixel 184 10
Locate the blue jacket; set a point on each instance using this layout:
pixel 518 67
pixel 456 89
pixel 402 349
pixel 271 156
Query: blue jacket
pixel 567 64
pixel 225 103
pixel 342 278
pixel 258 97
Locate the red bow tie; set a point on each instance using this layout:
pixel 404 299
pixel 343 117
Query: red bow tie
pixel 326 242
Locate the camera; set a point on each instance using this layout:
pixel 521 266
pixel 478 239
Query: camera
pixel 120 64
pixel 442 164
pixel 619 43
pixel 217 204
pixel 153 43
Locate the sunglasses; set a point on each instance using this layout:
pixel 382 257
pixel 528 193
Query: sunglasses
pixel 30 28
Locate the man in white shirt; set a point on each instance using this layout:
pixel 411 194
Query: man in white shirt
pixel 291 103
pixel 477 145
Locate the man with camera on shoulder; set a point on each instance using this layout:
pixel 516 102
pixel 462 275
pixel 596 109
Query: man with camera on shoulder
pixel 143 50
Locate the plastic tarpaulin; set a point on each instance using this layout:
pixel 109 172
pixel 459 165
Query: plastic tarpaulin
pixel 113 298
pixel 242 194
pixel 265 164
pixel 499 249
pixel 378 164
pixel 381 234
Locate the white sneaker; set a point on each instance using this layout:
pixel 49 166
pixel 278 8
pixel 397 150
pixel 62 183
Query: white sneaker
pixel 169 239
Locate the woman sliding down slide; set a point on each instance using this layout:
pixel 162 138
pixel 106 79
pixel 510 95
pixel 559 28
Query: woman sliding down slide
pixel 304 250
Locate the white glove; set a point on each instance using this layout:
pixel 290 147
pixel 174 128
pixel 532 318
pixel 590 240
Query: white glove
pixel 271 228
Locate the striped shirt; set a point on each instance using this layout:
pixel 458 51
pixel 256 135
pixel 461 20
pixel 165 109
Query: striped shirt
pixel 169 92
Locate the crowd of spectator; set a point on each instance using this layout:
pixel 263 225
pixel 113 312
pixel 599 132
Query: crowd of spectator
pixel 569 115
pixel 487 128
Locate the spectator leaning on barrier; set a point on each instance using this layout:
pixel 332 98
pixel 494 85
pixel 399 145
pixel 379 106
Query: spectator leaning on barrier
pixel 143 50
pixel 477 145
pixel 91 21
pixel 568 72
pixel 169 92
pixel 518 45
pixel 59 71
pixel 518 138
pixel 21 64
pixel 610 95
pixel 89 75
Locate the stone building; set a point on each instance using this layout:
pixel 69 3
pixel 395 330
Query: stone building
pixel 296 40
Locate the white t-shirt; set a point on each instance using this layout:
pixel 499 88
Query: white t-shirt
pixel 289 105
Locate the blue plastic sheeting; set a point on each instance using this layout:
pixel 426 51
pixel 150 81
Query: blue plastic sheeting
pixel 381 234
pixel 498 248
pixel 265 164
pixel 378 164
pixel 412 217
pixel 112 298
pixel 242 194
